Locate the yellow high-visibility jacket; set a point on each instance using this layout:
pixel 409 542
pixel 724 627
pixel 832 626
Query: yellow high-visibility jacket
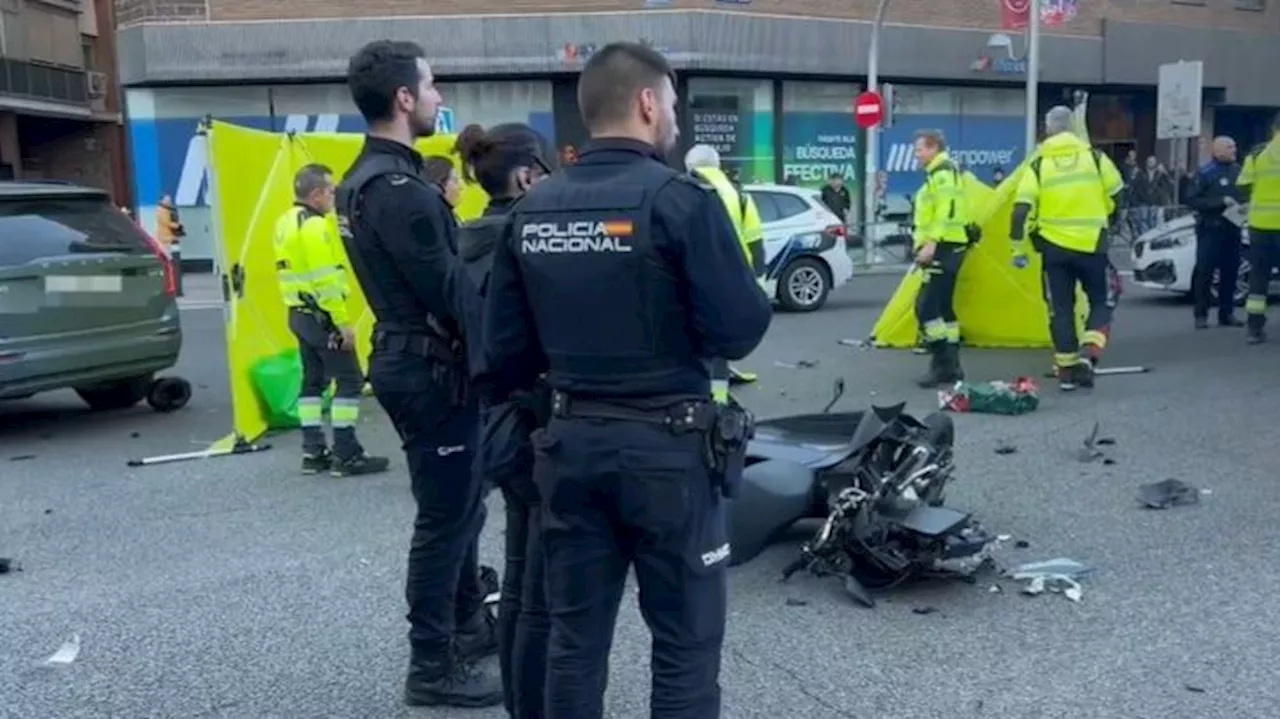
pixel 310 264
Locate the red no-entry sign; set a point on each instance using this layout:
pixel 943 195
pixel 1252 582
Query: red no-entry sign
pixel 868 110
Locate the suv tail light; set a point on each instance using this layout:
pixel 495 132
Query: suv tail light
pixel 166 261
pixel 838 233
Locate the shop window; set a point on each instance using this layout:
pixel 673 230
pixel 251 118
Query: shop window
pixel 819 137
pixel 735 116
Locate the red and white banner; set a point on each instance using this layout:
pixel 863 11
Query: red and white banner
pixel 1016 14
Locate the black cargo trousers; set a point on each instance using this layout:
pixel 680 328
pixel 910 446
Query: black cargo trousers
pixel 1062 271
pixel 618 494
pixel 437 419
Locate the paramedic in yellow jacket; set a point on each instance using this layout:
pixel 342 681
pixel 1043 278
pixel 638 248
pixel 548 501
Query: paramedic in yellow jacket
pixel 1260 178
pixel 314 285
pixel 940 241
pixel 1071 191
pixel 703 161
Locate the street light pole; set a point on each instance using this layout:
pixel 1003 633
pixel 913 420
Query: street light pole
pixel 1033 73
pixel 873 133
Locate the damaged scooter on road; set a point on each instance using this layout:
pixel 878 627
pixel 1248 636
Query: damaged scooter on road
pixel 877 479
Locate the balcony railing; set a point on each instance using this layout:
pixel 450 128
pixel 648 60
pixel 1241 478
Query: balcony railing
pixel 40 82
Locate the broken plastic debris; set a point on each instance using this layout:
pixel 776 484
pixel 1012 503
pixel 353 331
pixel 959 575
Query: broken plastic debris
pixel 1005 448
pixel 995 589
pixel 22 457
pixel 1003 537
pixel 1022 544
pixel 1194 688
pixel 1060 567
pixel 800 364
pixel 1057 576
pixel 6 565
pixel 1168 493
pixel 793 602
pixel 66 653
pixel 923 610
pixel 860 344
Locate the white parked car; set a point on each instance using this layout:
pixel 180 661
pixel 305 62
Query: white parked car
pixel 804 244
pixel 1165 256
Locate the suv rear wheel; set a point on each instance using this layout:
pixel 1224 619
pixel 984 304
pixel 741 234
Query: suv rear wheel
pixel 804 285
pixel 116 395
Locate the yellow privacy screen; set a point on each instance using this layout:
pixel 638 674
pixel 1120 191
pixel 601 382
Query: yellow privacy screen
pixel 251 178
pixel 996 304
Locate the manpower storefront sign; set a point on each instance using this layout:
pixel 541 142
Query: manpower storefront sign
pixel 980 143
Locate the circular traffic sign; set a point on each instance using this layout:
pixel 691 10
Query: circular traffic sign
pixel 868 110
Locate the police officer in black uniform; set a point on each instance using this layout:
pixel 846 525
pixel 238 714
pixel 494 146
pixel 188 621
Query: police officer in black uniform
pixel 399 235
pixel 506 161
pixel 1213 192
pixel 619 277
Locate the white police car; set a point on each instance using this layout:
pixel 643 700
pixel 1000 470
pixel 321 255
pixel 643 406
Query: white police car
pixel 1165 256
pixel 805 246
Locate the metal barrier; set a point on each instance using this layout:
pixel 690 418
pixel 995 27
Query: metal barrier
pixel 1134 221
pixel 881 246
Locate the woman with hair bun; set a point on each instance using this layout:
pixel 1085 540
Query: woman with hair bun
pixel 505 161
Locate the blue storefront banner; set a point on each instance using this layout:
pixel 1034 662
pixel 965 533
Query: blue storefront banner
pixel 979 143
pixel 168 159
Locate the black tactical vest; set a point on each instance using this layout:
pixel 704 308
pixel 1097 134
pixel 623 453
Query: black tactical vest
pixel 604 299
pixel 356 230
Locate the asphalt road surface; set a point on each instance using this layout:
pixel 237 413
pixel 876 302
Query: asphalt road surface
pixel 234 587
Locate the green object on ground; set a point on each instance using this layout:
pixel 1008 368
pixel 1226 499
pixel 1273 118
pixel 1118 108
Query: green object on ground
pixel 276 381
pixel 1009 398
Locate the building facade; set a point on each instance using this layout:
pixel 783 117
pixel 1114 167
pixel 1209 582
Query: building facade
pixel 769 82
pixel 59 99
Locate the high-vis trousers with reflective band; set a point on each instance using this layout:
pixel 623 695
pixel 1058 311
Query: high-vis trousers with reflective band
pixel 320 366
pixel 1063 270
pixel 1264 256
pixel 936 307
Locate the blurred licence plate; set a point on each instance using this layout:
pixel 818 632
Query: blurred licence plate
pixel 83 283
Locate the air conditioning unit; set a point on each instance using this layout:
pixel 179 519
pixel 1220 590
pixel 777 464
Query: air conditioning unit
pixel 97 85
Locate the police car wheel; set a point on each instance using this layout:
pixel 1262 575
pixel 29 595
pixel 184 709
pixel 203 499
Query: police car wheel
pixel 804 285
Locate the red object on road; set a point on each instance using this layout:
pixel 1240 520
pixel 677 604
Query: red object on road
pixel 868 110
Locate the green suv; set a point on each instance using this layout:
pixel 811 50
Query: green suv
pixel 87 298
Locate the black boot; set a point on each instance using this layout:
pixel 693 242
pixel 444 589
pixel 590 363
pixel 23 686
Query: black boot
pixel 1229 321
pixel 937 371
pixel 951 370
pixel 478 638
pixel 460 683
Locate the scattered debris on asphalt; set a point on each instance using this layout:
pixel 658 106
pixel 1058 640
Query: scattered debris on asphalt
pixel 793 602
pixel 135 435
pixel 8 565
pixel 858 344
pixel 1168 493
pixel 22 457
pixel 1005 448
pixel 1092 442
pixel 1054 576
pixel 923 610
pixel 799 364
pixel 1193 688
pixel 995 589
pixel 1022 544
pixel 1008 398
pixel 66 653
